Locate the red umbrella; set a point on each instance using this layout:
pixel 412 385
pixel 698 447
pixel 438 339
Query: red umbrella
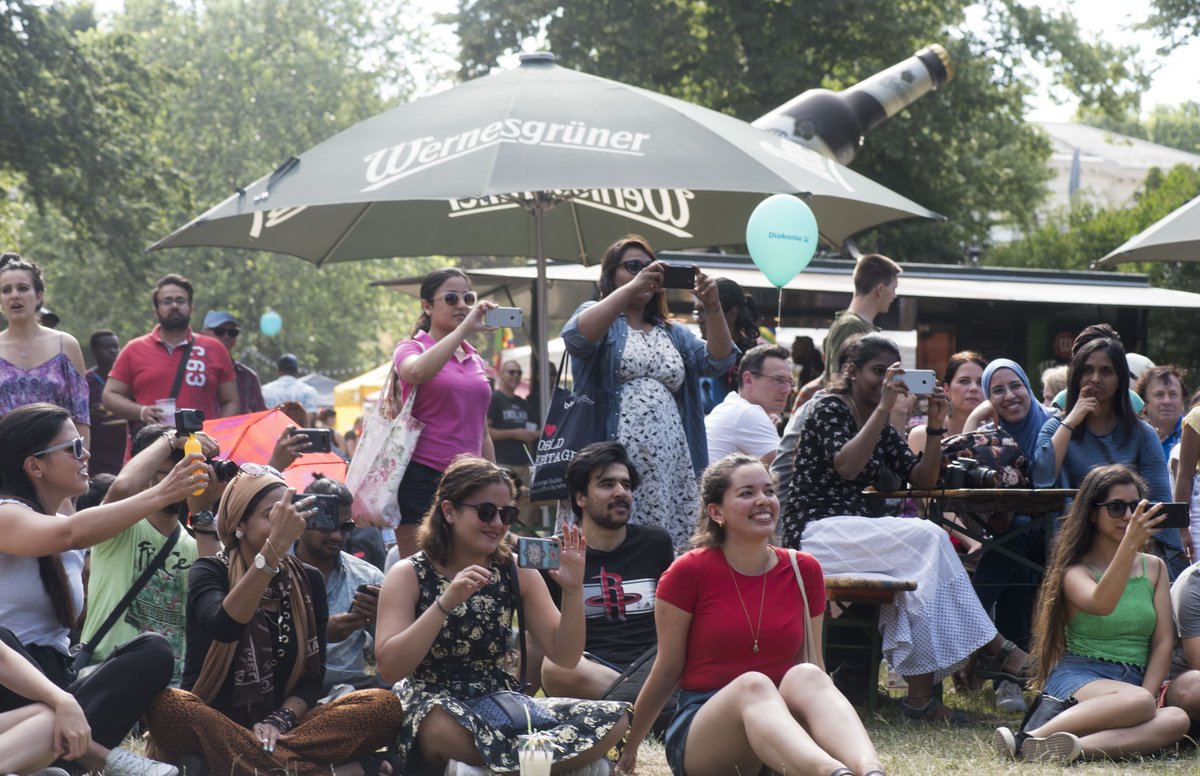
pixel 252 437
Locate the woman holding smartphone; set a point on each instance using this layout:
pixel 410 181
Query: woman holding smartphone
pixel 445 624
pixel 453 392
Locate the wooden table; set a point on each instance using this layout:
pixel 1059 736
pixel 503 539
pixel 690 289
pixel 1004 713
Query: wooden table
pixel 974 505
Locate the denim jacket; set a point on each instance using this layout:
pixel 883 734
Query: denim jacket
pixel 597 364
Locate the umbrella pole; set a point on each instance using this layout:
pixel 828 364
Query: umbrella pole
pixel 545 390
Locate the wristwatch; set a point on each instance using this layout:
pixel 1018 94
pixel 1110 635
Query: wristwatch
pixel 203 519
pixel 260 563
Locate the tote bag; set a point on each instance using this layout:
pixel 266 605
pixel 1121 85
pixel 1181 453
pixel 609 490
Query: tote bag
pixel 381 458
pixel 575 420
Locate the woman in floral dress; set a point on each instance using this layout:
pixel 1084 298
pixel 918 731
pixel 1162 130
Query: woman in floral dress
pixel 650 369
pixel 445 621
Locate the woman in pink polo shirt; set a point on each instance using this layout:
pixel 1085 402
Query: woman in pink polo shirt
pixel 453 392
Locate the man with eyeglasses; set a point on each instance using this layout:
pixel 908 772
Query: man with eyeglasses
pixel 510 425
pixel 351 586
pixel 288 387
pixel 222 326
pixel 171 367
pixel 115 564
pixel 742 422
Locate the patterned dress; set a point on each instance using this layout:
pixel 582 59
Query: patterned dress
pixel 464 663
pixel 55 381
pixel 650 428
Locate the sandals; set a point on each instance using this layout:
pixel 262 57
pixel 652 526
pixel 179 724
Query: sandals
pixel 992 666
pixel 1056 747
pixel 933 711
pixel 373 762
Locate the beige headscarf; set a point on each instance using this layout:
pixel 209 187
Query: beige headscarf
pixel 236 499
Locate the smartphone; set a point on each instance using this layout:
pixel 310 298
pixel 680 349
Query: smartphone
pixel 326 516
pixel 363 589
pixel 1177 515
pixel 919 381
pixel 679 276
pixel 319 439
pixel 512 317
pixel 533 553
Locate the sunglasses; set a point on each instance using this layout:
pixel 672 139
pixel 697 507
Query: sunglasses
pixel 258 470
pixel 487 510
pixel 1117 508
pixel 633 266
pixel 227 332
pixel 76 445
pixel 451 298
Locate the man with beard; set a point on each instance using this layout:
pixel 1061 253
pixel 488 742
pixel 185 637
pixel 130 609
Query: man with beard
pixel 171 367
pixel 351 587
pixel 116 564
pixel 621 575
pixel 110 434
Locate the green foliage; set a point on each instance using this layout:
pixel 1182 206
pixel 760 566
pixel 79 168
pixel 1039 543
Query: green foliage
pixel 965 151
pixel 1176 20
pixel 239 86
pixel 1174 126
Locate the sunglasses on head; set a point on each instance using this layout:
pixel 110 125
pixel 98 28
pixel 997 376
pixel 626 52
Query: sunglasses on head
pixel 451 298
pixel 633 266
pixel 487 510
pixel 258 469
pixel 1117 508
pixel 227 331
pixel 76 445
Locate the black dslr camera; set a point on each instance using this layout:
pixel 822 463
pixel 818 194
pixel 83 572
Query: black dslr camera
pixel 967 473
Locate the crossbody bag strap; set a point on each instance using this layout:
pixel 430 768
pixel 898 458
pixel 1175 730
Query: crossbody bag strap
pixel 807 656
pixel 519 608
pixel 178 383
pixel 159 560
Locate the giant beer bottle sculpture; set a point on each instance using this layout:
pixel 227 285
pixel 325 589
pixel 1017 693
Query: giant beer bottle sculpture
pixel 833 123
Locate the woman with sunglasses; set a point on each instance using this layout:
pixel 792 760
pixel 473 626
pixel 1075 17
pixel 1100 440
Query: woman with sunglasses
pixel 445 624
pixel 43 463
pixel 1103 632
pixel 37 363
pixel 255 663
pixel 626 346
pixel 453 392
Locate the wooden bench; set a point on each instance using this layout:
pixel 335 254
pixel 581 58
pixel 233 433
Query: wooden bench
pixel 873 590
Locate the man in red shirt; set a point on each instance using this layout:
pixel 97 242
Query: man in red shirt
pixel 140 382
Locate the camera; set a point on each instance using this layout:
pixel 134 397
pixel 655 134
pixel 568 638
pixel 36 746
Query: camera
pixel 966 473
pixel 188 422
pixel 225 470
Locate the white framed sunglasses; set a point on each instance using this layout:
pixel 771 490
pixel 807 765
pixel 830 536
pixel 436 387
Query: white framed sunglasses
pixel 76 445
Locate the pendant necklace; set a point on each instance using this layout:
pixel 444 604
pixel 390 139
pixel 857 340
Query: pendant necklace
pixel 754 629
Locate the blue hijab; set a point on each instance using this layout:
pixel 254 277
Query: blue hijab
pixel 1025 431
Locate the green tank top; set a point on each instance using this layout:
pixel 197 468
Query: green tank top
pixel 1122 636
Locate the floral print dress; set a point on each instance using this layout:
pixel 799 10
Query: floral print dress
pixel 651 372
pixel 465 663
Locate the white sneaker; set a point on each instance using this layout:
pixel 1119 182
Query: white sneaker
pixel 1009 697
pixel 122 762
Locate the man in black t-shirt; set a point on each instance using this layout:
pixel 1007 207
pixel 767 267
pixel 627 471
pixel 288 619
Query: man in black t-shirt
pixel 511 427
pixel 621 574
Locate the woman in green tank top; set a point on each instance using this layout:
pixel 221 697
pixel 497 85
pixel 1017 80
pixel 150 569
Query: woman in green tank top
pixel 1103 632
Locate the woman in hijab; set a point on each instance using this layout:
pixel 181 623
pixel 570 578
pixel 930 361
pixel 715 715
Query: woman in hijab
pixel 255 664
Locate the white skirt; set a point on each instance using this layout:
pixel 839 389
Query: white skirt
pixel 933 629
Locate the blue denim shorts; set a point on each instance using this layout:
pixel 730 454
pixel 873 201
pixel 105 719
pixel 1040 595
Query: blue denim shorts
pixel 1074 671
pixel 675 740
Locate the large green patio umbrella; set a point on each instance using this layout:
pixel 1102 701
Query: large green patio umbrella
pixel 1175 237
pixel 537 161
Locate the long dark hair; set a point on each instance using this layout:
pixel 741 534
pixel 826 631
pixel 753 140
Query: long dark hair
pixel 747 318
pixel 656 312
pixel 1126 418
pixel 23 432
pixel 429 286
pixel 1075 536
pixel 865 350
pixel 465 475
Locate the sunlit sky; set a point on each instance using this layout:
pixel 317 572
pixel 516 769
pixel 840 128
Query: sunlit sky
pixel 1176 77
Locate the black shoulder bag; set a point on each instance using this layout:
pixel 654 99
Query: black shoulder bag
pixel 83 654
pixel 178 382
pixel 513 713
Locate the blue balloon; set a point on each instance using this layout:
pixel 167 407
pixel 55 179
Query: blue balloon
pixel 782 237
pixel 270 323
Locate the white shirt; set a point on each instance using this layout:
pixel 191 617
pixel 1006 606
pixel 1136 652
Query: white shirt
pixel 737 426
pixel 288 388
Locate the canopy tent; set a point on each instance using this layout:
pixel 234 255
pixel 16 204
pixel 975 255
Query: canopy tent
pixel 350 397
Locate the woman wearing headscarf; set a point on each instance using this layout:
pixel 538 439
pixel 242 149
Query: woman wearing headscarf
pixel 256 654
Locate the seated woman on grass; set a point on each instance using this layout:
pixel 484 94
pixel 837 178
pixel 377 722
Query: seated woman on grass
pixel 1103 632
